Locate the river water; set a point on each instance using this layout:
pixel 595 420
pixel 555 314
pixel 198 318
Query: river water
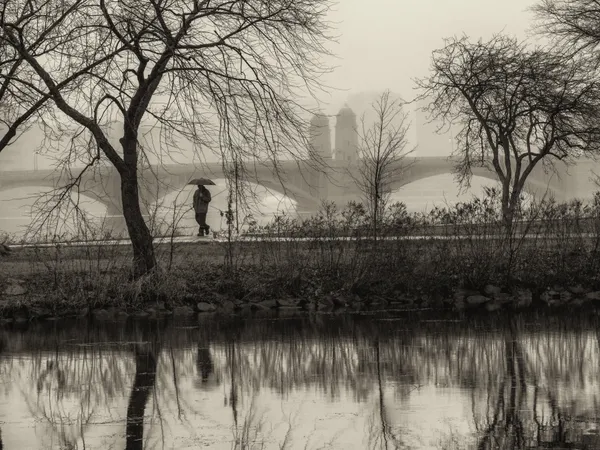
pixel 326 381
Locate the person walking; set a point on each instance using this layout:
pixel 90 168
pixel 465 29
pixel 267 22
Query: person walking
pixel 202 198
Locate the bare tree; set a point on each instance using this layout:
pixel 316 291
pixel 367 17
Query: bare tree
pixel 382 149
pixel 516 107
pixel 571 25
pixel 220 74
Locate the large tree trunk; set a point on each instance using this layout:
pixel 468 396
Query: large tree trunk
pixel 507 207
pixel 144 260
pixel 508 214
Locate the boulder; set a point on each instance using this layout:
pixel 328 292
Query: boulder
pixel 101 314
pixel 287 302
pixel 461 294
pixel 493 306
pixel 227 305
pixel 459 305
pixel 491 290
pixel 523 298
pixel 579 301
pixel 475 300
pixel 183 311
pixel 503 297
pixel 206 307
pixel 266 304
pixel 340 300
pixel 577 290
pixel 595 295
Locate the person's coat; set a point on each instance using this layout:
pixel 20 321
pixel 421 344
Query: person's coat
pixel 201 201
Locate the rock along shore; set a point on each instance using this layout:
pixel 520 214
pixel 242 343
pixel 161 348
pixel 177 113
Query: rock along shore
pixel 20 304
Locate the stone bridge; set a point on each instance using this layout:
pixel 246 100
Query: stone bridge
pixel 306 185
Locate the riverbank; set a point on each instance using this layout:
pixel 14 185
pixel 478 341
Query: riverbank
pixel 551 261
pixel 42 283
pixel 26 300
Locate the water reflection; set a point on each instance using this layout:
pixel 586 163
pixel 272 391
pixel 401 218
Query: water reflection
pixel 307 382
pixel 143 383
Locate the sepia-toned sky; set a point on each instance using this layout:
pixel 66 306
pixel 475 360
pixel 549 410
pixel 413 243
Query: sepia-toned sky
pixel 386 43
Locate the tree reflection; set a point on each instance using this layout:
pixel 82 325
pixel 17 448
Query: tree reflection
pixel 527 415
pixel 146 350
pixel 524 386
pixel 143 383
pixel 382 437
pixel 506 427
pixel 233 394
pixel 204 362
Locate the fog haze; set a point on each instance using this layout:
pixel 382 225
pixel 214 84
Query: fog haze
pixel 381 44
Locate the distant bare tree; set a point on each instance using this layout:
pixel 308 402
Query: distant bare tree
pixel 382 149
pixel 222 74
pixel 517 106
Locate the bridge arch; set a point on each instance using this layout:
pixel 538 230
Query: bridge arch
pixel 534 186
pixel 103 197
pixel 45 188
pixel 169 208
pixel 19 211
pixel 295 194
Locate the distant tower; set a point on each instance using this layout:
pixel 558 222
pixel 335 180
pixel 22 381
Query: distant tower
pixel 346 135
pixel 320 136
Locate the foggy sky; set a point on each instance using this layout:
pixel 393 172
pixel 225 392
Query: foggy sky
pixel 384 44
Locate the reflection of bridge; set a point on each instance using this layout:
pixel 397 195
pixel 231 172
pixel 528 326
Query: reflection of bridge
pixel 298 180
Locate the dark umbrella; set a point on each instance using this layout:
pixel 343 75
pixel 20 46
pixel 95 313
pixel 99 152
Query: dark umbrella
pixel 202 182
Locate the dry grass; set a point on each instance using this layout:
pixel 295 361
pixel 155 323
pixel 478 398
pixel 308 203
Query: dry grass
pixel 557 250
